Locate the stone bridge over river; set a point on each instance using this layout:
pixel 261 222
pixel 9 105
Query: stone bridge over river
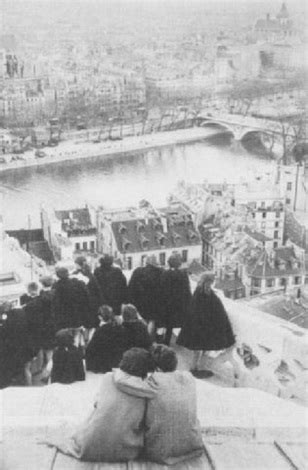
pixel 240 126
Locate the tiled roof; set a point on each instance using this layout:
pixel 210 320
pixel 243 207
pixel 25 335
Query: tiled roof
pixel 290 310
pixel 258 236
pixel 229 284
pixel 284 262
pixel 133 236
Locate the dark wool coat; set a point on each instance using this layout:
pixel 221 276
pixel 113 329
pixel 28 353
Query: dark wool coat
pixel 105 350
pixel 113 287
pixel 67 365
pixel 71 304
pixel 25 298
pixel 208 327
pixel 176 296
pixel 145 292
pixel 15 347
pixel 40 320
pixel 95 298
pixel 136 335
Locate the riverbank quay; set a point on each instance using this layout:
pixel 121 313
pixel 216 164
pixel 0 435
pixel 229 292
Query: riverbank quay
pixel 73 151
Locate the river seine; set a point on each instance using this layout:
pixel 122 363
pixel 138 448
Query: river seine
pixel 123 180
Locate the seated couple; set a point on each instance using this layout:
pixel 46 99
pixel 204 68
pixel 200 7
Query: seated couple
pixel 145 409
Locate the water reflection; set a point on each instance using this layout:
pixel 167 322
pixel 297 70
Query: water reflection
pixel 123 180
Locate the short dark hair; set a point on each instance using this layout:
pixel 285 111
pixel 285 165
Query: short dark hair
pixel 175 260
pixel 65 337
pixel 81 261
pixel 164 357
pixel 62 272
pixel 32 287
pixel 46 281
pixel 106 260
pixel 138 362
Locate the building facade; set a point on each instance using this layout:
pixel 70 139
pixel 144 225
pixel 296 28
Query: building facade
pixel 69 231
pixel 130 236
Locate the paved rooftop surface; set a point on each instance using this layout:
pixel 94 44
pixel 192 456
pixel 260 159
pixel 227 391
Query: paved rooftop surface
pixel 242 429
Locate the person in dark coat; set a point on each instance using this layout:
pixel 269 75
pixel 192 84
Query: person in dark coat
pixel 16 353
pixel 67 359
pixel 105 350
pixel 41 325
pixel 32 292
pixel 176 296
pixel 135 330
pixel 145 293
pixel 112 283
pixel 40 319
pixel 93 289
pixel 207 328
pixel 71 302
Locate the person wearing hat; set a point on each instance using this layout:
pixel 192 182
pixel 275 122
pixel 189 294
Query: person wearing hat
pixel 112 283
pixel 207 327
pixel 176 295
pixel 146 294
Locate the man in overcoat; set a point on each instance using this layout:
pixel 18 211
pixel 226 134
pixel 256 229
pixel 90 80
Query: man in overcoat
pixel 145 293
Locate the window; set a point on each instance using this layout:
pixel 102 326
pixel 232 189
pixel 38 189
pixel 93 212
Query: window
pixel 297 280
pixel 277 214
pixel 162 258
pixel 263 215
pixel 288 200
pixel 282 282
pixel 84 246
pixel 270 282
pixel 184 256
pixel 77 246
pixel 276 234
pixel 263 224
pixel 143 260
pixel 92 245
pixel 263 204
pixel 276 224
pixel 256 282
pixel 129 262
pixel 275 244
pixel 289 186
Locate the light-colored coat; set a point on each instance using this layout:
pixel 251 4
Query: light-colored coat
pixel 114 432
pixel 172 429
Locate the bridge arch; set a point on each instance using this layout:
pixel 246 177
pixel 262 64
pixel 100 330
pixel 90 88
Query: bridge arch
pixel 260 139
pixel 222 126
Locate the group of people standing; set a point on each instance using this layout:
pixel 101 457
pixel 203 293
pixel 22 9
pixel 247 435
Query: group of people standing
pixel 110 316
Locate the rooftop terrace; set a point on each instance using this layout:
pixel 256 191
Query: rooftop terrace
pixel 242 429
